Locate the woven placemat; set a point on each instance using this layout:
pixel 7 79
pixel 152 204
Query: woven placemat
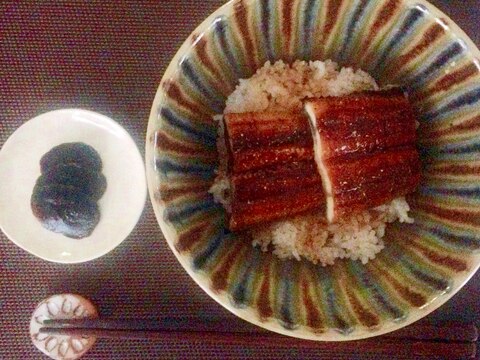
pixel 109 56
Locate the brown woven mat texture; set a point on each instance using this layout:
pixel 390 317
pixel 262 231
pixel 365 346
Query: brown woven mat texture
pixel 109 56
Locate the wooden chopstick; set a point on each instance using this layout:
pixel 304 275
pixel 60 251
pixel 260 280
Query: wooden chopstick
pixel 449 332
pixel 455 349
pixel 167 324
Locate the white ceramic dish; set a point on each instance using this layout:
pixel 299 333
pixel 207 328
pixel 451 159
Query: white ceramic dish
pixel 121 206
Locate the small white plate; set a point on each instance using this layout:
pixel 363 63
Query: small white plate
pixel 120 207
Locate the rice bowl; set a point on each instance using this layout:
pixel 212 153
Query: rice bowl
pixel 422 265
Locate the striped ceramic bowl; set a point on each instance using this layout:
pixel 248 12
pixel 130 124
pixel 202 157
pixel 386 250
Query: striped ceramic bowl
pixel 423 265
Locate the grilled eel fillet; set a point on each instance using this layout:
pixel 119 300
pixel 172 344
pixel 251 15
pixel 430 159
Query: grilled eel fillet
pixel 361 155
pixel 364 146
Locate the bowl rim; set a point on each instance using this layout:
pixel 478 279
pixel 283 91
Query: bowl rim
pixel 202 280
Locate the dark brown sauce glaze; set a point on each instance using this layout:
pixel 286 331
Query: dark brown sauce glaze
pixel 65 196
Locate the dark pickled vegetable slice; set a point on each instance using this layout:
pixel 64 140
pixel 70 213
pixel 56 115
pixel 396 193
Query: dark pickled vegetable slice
pixel 65 196
pixel 62 209
pixel 88 182
pixel 72 153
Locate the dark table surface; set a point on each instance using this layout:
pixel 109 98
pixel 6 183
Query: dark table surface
pixel 109 56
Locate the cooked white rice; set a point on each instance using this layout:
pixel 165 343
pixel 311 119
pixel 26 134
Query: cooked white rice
pixel 283 87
